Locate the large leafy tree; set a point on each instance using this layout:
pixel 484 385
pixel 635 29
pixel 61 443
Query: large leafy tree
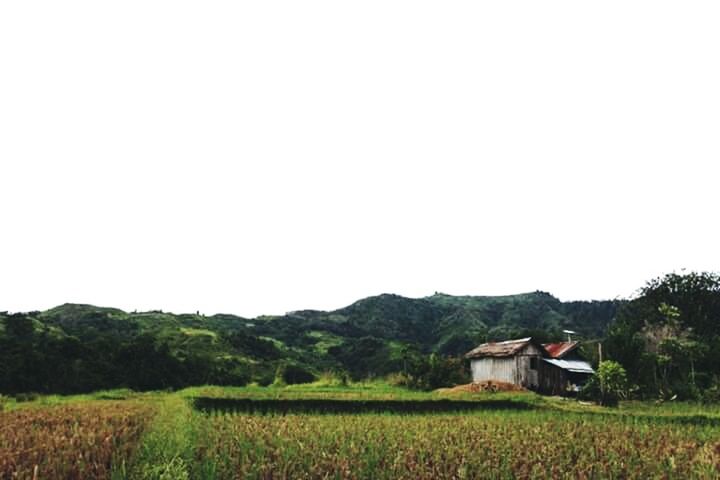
pixel 668 338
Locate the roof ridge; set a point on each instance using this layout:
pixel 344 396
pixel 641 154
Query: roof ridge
pixel 499 349
pixel 517 340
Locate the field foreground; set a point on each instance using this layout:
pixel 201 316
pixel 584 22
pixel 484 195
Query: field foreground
pixel 238 433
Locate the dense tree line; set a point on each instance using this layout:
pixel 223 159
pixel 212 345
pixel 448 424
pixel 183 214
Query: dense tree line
pixel 41 361
pixel 668 338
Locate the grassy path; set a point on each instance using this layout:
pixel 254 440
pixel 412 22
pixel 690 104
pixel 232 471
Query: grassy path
pixel 168 449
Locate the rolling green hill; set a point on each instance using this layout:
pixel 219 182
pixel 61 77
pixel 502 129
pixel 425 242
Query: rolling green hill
pixel 368 338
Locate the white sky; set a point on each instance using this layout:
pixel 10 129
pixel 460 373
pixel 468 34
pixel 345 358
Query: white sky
pixel 260 157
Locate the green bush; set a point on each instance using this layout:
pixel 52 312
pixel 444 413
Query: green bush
pixel 429 373
pixel 26 397
pixel 399 380
pixel 591 390
pixel 292 374
pixel 613 383
pixel 333 378
pixel 264 379
pixel 712 394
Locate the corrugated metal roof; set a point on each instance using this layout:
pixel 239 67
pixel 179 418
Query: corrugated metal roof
pixel 498 349
pixel 560 349
pixel 577 366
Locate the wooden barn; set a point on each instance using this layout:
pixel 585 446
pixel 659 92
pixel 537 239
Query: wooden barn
pixel 512 361
pixel 554 368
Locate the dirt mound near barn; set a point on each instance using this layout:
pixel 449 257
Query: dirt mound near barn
pixel 481 387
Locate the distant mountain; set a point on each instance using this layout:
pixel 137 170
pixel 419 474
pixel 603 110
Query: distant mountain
pixel 365 338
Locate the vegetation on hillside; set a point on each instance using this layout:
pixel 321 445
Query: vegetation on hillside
pixel 667 340
pixel 80 348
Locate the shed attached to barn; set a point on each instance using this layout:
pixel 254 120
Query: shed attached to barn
pixel 555 368
pixel 565 370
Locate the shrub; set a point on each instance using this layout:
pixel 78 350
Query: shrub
pixel 264 379
pixel 591 390
pixel 712 394
pixel 429 373
pixel 334 379
pixel 399 379
pixel 293 374
pixel 26 397
pixel 613 383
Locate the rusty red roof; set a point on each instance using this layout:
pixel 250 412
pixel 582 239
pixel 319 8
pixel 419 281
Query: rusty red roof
pixel 560 349
pixel 507 348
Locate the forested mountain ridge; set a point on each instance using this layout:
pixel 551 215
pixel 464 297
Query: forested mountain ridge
pixel 82 347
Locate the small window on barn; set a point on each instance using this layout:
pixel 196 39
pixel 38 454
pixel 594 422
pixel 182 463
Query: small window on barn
pixel 533 363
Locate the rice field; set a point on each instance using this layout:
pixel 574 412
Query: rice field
pixel 497 444
pixel 84 441
pixel 314 436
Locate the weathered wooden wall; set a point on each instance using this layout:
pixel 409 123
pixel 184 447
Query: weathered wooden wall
pixel 553 378
pixel 527 376
pixel 490 368
pixel 516 369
